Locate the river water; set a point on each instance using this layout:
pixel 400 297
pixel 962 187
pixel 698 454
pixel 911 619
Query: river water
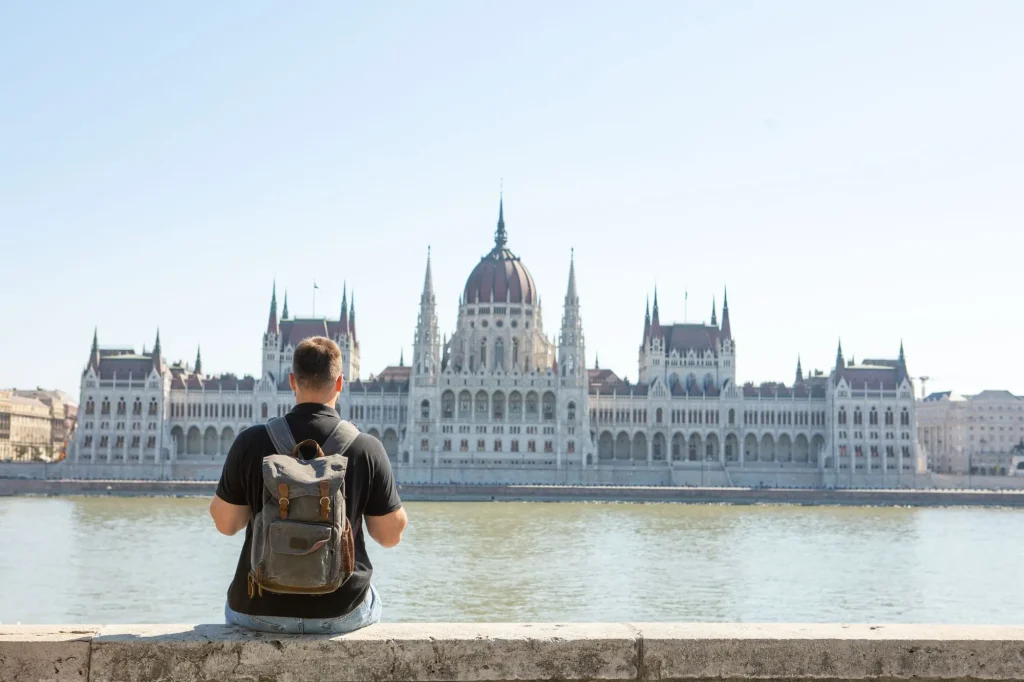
pixel 159 560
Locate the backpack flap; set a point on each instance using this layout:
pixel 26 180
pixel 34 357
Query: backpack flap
pixel 304 480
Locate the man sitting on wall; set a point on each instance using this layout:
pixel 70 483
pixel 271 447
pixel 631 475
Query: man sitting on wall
pixel 298 542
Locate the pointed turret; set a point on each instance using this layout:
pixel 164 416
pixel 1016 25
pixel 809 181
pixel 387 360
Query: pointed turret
pixel 343 318
pixel 655 318
pixel 500 236
pixel 284 313
pixel 570 293
pixel 799 371
pixel 428 283
pixel 199 361
pixel 272 327
pixel 94 352
pixel 352 318
pixel 840 363
pixel 901 365
pixel 156 351
pixel 726 327
pixel 714 317
pixel 401 358
pixel 647 323
pixel 597 365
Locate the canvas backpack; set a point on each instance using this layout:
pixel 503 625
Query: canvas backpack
pixel 302 540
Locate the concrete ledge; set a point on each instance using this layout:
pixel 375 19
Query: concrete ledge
pixel 521 652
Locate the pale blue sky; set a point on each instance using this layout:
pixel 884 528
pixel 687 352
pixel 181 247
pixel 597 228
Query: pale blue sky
pixel 849 169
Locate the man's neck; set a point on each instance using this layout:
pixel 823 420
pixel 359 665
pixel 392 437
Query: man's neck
pixel 317 400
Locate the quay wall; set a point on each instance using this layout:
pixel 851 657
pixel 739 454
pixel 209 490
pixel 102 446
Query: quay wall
pixel 485 652
pixel 555 493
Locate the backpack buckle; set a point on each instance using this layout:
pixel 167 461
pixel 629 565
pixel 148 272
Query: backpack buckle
pixel 282 492
pixel 325 500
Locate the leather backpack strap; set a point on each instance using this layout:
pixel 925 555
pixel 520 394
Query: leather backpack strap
pixel 281 436
pixel 341 438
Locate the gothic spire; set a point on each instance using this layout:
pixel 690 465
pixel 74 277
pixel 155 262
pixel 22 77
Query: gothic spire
pixel 272 327
pixel 284 313
pixel 840 363
pixel 428 283
pixel 726 327
pixel 94 352
pixel 156 350
pixel 714 317
pixel 647 322
pixel 597 365
pixel 401 357
pixel 352 317
pixel 343 319
pixel 570 294
pixel 199 361
pixel 656 318
pixel 799 371
pixel 500 236
pixel 901 364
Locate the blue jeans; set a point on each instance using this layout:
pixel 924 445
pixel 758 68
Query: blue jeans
pixel 365 614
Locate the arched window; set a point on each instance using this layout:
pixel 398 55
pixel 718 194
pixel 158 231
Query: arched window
pixel 515 405
pixel 531 405
pixel 137 406
pixel 889 421
pixel 658 415
pixel 570 411
pixel 481 404
pixel 498 406
pixel 152 406
pixel 905 417
pixel 122 406
pixel 515 352
pixel 448 405
pixel 90 407
pixel 105 406
pixel 425 409
pixel 549 406
pixel 873 417
pixel 732 416
pixel 483 354
pixel 265 411
pixel 499 354
pixel 842 415
pixel 858 417
pixel 465 405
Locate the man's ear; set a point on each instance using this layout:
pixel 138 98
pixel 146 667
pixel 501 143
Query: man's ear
pixel 338 384
pixel 291 381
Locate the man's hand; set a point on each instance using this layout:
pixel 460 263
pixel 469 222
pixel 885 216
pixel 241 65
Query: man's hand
pixel 387 529
pixel 229 518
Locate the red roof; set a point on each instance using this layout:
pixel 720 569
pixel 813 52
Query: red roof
pixel 500 274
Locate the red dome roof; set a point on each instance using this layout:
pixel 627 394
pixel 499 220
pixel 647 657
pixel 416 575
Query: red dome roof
pixel 500 275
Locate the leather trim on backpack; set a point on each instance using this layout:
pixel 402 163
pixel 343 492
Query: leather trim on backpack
pixel 348 548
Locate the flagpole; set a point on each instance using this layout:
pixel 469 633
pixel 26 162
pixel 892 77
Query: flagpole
pixel 314 299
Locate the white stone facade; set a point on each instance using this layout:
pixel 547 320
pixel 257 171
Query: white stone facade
pixel 971 434
pixel 500 401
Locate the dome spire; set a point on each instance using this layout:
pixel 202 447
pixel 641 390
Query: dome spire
pixel 500 236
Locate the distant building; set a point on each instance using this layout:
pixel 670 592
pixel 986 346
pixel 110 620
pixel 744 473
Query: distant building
pixel 35 425
pixel 971 433
pixel 502 400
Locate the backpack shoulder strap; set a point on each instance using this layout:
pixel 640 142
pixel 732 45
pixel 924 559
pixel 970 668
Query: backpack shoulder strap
pixel 281 436
pixel 340 439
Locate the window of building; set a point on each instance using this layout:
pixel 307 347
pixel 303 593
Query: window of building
pixel 570 446
pixel 424 445
pixel 425 409
pixel 497 445
pixel 105 407
pixel 570 411
pixel 481 445
pixel 120 442
pixel 464 445
pixel 548 447
pixel 531 446
pixel 447 445
pixel 151 442
pixel 88 441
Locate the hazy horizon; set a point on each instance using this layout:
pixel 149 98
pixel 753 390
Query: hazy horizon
pixel 848 170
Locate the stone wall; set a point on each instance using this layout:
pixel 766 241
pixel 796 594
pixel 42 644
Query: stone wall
pixel 523 652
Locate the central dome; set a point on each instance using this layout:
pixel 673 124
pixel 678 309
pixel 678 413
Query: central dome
pixel 500 276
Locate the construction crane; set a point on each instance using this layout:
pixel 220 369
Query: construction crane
pixel 924 384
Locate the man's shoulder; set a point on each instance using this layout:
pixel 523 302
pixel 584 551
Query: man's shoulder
pixel 253 440
pixel 366 445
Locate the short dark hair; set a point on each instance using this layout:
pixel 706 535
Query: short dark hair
pixel 316 363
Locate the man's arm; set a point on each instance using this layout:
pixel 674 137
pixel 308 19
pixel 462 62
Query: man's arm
pixel 387 530
pixel 229 509
pixel 229 518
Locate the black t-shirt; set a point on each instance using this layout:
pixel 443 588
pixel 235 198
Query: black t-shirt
pixel 369 489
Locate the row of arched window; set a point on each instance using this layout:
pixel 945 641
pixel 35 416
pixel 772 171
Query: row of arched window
pixel 214 410
pixel 784 418
pixel 496 406
pixel 122 406
pixel 858 417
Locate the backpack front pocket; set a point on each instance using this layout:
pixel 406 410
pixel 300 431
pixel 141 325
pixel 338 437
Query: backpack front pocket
pixel 300 555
